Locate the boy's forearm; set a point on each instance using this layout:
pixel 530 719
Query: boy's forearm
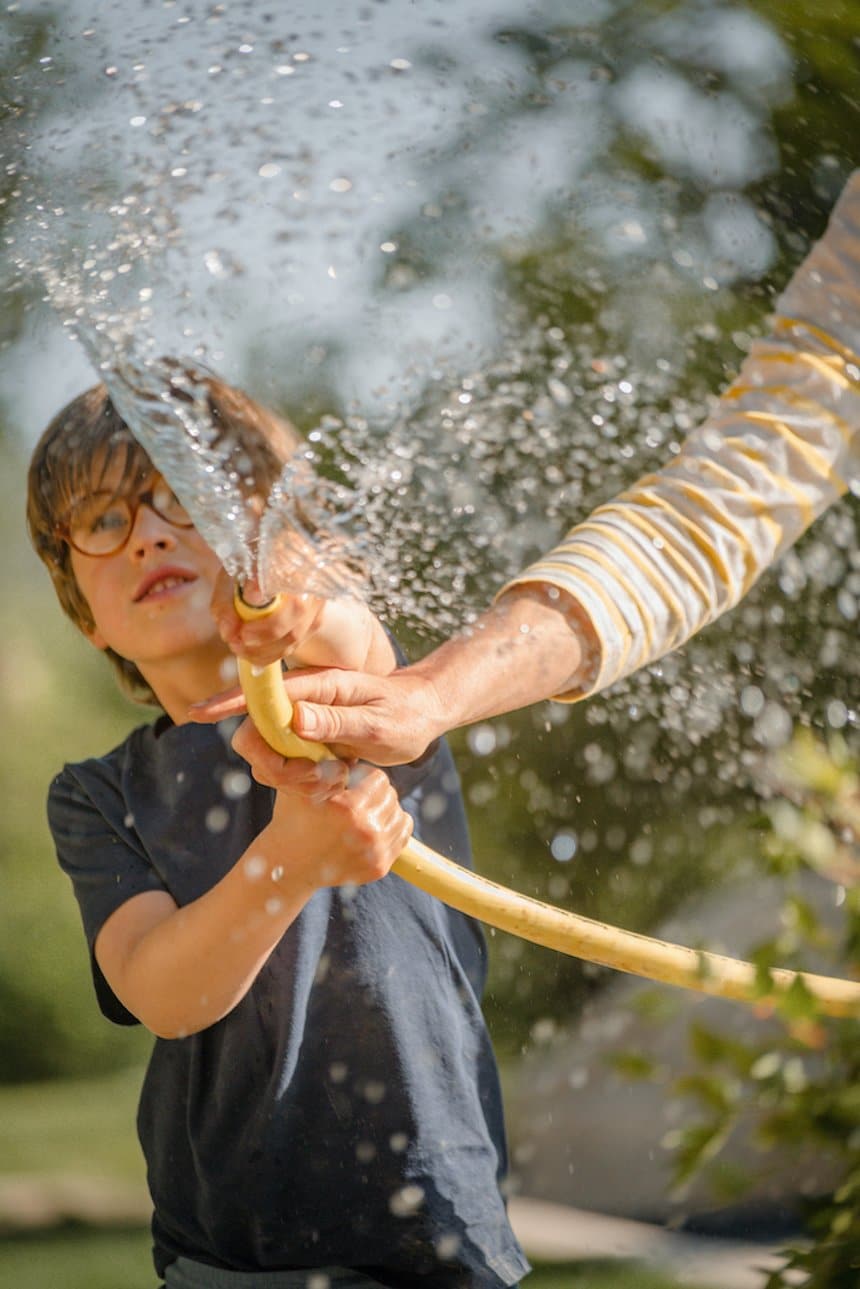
pixel 188 969
pixel 349 637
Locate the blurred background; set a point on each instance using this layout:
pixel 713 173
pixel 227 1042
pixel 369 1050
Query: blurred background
pixel 495 260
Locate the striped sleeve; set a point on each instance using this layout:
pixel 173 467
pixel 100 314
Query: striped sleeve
pixel 681 546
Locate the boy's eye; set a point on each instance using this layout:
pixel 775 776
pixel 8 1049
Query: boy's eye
pixel 112 519
pixel 99 524
pixel 166 502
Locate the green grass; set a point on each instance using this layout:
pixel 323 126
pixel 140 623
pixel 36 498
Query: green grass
pixel 72 1126
pixel 595 1275
pixel 87 1259
pixel 86 1128
pixel 78 1259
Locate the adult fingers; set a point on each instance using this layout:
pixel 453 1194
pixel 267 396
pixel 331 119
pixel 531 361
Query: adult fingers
pixel 229 703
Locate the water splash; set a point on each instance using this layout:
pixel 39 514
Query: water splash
pixel 495 264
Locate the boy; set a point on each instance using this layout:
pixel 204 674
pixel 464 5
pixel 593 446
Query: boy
pixel 321 1105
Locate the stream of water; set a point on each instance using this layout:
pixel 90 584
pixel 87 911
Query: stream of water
pixel 494 259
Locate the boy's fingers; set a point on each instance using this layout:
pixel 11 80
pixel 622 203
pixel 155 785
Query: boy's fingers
pixel 319 781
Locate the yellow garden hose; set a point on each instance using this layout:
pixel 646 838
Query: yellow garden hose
pixel 581 937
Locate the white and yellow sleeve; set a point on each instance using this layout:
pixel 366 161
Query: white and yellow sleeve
pixel 682 545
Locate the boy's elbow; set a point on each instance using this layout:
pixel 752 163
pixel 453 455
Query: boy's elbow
pixel 172 1027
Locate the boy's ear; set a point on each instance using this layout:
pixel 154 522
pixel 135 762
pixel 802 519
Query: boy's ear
pixel 96 638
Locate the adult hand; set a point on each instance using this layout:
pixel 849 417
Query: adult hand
pixel 389 720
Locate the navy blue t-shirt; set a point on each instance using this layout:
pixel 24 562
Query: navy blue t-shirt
pixel 347 1110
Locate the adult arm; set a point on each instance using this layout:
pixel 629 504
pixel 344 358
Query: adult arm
pixel 647 570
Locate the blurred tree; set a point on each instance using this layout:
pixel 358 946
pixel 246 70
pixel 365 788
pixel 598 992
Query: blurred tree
pixel 627 805
pixel 801 1085
pixel 58 701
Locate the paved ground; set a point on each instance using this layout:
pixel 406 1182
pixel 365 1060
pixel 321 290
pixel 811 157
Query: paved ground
pixel 548 1232
pixel 553 1232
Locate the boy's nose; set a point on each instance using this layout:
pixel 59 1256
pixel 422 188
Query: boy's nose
pixel 149 532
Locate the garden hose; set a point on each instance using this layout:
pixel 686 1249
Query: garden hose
pixel 554 928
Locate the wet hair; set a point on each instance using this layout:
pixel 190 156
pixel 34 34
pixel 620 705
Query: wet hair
pixel 88 439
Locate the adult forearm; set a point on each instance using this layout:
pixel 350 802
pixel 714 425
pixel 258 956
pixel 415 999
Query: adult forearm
pixel 534 643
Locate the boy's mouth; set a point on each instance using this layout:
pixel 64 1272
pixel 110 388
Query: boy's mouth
pixel 162 580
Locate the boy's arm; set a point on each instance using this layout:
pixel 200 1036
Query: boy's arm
pixel 179 970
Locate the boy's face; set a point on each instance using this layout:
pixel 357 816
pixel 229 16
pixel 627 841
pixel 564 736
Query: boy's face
pixel 150 600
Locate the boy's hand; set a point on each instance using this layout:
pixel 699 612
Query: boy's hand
pixel 336 823
pixel 285 632
pixel 307 629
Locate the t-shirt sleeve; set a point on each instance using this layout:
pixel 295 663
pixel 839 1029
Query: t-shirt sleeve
pixel 684 544
pixel 97 850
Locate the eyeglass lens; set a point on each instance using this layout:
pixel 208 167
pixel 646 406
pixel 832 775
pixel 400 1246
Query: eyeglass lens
pixel 101 524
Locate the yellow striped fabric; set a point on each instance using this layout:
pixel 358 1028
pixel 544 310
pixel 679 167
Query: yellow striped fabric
pixel 684 544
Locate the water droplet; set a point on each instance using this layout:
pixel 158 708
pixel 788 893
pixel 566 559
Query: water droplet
pixel 433 807
pixel 837 714
pixel 406 1201
pixel 564 846
pixel 773 726
pixel 217 819
pixel 448 1246
pixel 236 784
pixel 752 700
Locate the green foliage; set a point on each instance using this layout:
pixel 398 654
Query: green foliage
pixel 60 704
pixel 802 1081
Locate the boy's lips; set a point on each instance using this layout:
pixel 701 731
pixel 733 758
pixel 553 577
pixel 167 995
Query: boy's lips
pixel 160 579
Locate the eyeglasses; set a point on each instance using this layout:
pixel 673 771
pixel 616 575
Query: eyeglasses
pixel 101 524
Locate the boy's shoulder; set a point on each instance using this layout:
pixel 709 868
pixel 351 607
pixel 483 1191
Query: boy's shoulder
pixel 153 753
pixel 133 745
